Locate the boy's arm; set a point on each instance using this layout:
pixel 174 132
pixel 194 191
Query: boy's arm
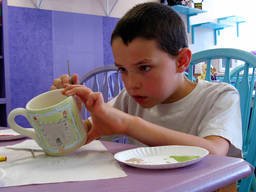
pixel 152 134
pixel 108 121
pixel 118 122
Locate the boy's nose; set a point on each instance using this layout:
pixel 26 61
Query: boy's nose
pixel 133 82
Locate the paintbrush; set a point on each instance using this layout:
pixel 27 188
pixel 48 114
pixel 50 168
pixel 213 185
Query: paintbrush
pixel 69 72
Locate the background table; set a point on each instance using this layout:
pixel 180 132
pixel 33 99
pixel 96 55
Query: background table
pixel 209 174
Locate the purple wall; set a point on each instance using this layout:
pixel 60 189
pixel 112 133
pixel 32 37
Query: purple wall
pixel 40 43
pixel 109 24
pixel 78 38
pixel 30 53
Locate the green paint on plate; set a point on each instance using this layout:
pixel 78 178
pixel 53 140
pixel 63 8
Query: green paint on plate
pixel 184 158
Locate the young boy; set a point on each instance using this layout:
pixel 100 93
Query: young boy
pixel 159 105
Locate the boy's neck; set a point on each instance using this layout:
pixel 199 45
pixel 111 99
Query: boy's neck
pixel 186 87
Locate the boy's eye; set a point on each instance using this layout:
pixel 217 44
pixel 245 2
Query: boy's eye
pixel 121 69
pixel 144 68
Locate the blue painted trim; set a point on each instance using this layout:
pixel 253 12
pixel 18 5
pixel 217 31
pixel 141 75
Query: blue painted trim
pixel 233 19
pixel 209 25
pixel 188 11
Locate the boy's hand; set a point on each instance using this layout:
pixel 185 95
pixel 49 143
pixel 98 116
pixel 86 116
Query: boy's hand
pixel 106 119
pixel 64 79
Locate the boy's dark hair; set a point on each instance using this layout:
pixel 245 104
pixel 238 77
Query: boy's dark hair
pixel 153 21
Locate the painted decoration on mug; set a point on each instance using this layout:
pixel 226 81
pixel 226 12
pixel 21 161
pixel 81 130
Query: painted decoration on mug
pixel 56 129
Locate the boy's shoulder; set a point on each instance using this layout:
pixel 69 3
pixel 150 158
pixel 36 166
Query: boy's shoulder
pixel 212 91
pixel 215 86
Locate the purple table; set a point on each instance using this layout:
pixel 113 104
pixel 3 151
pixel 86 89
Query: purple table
pixel 212 173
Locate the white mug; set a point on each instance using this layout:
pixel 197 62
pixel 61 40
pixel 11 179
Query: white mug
pixel 57 125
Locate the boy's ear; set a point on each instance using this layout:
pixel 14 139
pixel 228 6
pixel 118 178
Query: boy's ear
pixel 183 59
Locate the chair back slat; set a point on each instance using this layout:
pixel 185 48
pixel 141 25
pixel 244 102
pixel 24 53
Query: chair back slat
pixel 190 72
pixel 105 88
pixel 208 70
pixel 236 79
pixel 117 87
pixel 235 74
pixel 95 86
pixel 227 62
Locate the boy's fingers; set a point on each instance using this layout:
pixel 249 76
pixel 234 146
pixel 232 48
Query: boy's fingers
pixel 74 79
pixel 77 89
pixel 91 136
pixel 69 86
pixel 65 79
pixel 92 98
pixel 57 83
pixel 90 101
pixel 53 87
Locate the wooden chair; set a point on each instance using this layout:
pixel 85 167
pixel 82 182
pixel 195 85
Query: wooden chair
pixel 106 80
pixel 245 85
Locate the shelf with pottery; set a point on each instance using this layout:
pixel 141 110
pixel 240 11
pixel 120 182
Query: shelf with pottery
pixel 188 11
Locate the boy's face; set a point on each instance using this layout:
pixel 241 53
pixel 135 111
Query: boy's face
pixel 149 74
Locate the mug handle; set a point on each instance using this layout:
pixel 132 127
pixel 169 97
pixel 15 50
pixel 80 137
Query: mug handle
pixel 23 131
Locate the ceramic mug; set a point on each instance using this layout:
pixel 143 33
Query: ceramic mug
pixel 56 122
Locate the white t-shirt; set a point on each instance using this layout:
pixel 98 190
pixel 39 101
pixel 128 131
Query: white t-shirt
pixel 210 109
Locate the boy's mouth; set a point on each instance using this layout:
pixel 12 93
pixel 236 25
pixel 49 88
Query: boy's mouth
pixel 139 99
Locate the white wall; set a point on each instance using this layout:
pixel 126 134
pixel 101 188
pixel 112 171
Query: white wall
pixel 94 7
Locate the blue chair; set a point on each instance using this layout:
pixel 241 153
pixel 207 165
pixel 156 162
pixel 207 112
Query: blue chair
pixel 245 85
pixel 235 77
pixel 106 80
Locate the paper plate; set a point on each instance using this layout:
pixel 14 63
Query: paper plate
pixel 163 157
pixel 9 134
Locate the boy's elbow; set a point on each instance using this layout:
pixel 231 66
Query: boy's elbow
pixel 218 145
pixel 219 152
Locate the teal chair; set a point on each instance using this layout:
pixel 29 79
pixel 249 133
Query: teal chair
pixel 235 77
pixel 245 85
